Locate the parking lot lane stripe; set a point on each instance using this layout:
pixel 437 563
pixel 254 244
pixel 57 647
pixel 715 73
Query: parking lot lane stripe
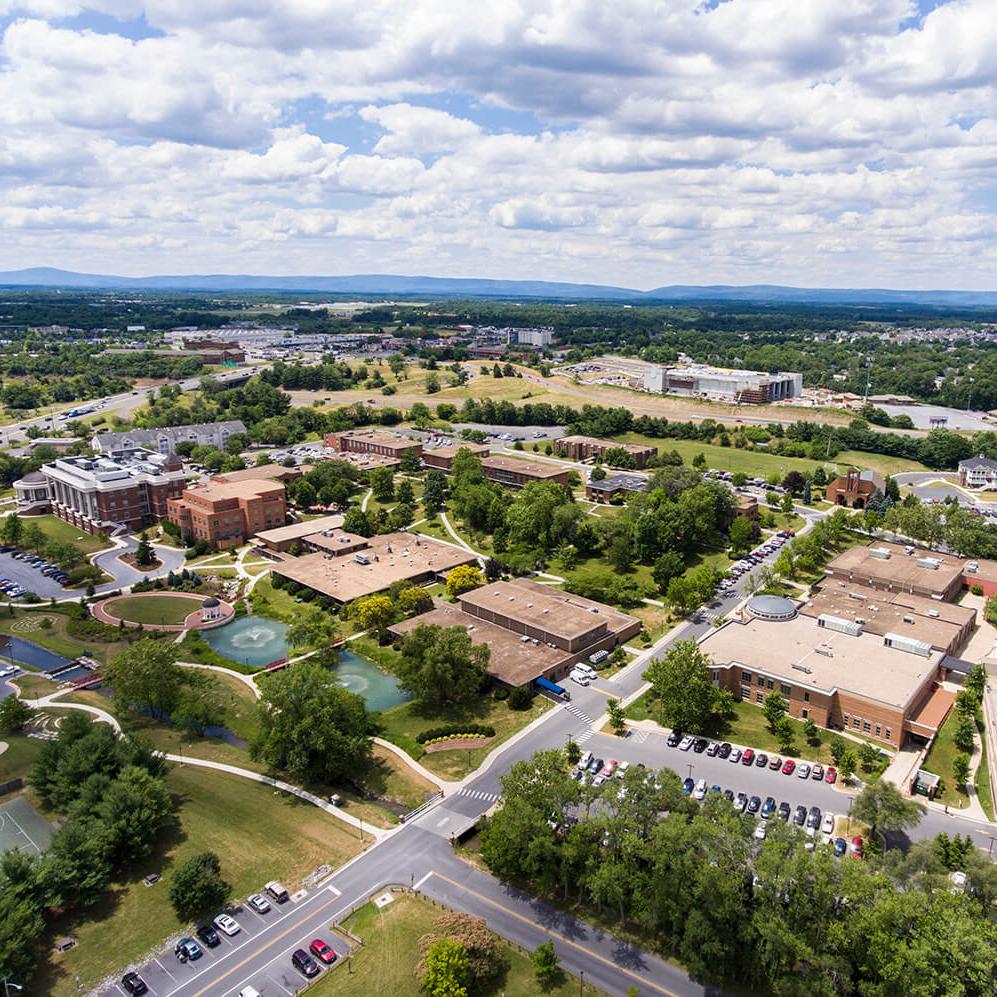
pixel 164 969
pixel 643 980
pixel 257 952
pixel 423 880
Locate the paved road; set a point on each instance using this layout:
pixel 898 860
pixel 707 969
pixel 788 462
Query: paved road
pixel 931 485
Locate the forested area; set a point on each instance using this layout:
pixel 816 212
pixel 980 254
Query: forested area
pixel 775 917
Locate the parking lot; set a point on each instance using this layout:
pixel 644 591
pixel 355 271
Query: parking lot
pixel 166 973
pixel 31 579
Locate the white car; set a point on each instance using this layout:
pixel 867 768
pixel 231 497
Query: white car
pixel 260 904
pixel 622 770
pixel 9 670
pixel 687 743
pixel 803 771
pixel 227 924
pixel 761 830
pixel 699 792
pixel 827 827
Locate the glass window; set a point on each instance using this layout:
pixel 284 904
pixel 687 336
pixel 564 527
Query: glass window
pixel 879 730
pixel 806 697
pixel 761 680
pixel 846 720
pixel 806 713
pixel 855 722
pixel 889 733
pixel 784 689
pixel 770 683
pixel 745 676
pixel 866 726
pixel 759 697
pixel 745 692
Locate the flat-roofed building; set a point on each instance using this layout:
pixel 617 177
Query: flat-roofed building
pixel 882 687
pixel 284 537
pixel 374 442
pixel 895 568
pixel 263 472
pixel 746 506
pixel 944 625
pixel 614 487
pixel 980 571
pixel 226 514
pixel 531 630
pixel 130 487
pixel 368 565
pixel 587 447
pixel 518 473
pixel 441 458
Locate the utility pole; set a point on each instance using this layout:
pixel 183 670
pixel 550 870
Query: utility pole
pixel 868 379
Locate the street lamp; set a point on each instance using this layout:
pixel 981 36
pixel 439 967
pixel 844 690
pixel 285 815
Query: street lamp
pixel 9 985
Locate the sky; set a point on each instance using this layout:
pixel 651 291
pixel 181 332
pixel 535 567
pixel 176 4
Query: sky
pixel 831 143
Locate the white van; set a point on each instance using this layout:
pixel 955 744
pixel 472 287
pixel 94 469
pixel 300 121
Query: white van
pixel 584 669
pixel 580 677
pixel 249 992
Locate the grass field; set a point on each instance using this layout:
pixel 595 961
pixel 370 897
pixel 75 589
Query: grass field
pixel 387 962
pixel 58 529
pixel 277 604
pixel 880 463
pixel 19 758
pixel 151 609
pixel 27 625
pixel 940 757
pixel 259 836
pixel 983 790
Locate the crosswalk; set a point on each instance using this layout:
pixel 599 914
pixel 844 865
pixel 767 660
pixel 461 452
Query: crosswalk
pixel 584 736
pixel 639 736
pixel 477 794
pixel 581 714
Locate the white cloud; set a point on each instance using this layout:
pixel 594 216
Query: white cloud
pixel 807 141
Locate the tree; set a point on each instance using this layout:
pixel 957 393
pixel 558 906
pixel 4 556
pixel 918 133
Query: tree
pixel 960 768
pixel 311 727
pixel 463 578
pixel 357 521
pixel 837 746
pixel 976 681
pixel 807 493
pixel 546 965
pixel 670 565
pixel 774 708
pixel 12 530
pixel 882 806
pixel 132 811
pixel 197 886
pixel 785 733
pixel 405 493
pixel 787 503
pixel 382 483
pixel 741 535
pixel 440 665
pixel 146 676
pixel 847 764
pixel 373 612
pixel 699 461
pixel 868 755
pixel 485 957
pixel 597 473
pixel 811 732
pixel 617 717
pixel 681 680
pixel 684 595
pixel 413 601
pixel 794 483
pixel 14 714
pixel 572 752
pixel 312 628
pixel 964 734
pixel 435 491
pixel 447 973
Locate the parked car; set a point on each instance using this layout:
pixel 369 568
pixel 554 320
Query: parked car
pixel 724 750
pixel 686 743
pixel 813 820
pixel 323 951
pixel 827 825
pixel 857 848
pixel 804 771
pixel 712 750
pixel 775 763
pixel 735 755
pixel 784 811
pixel 754 804
pixel 761 831
pixel 817 772
pixel 258 903
pixel 741 802
pixel 305 964
pixel 761 761
pixel 622 770
pixel 748 757
pixel 800 815
pixel 699 792
pixel 208 935
pixel 831 775
pixel 227 924
pixel 688 785
pixel 595 766
pixel 134 984
pixel 699 745
pixel 674 738
pixel 840 847
pixel 276 891
pixel 768 807
pixel 788 767
pixel 609 768
pixel 729 795
pixel 186 949
pixel 583 762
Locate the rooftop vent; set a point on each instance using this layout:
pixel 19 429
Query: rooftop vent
pixel 838 624
pixel 934 613
pixel 884 553
pixel 824 649
pixel 904 643
pixel 801 667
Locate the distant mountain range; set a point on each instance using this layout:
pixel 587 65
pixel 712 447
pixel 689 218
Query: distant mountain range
pixel 395 285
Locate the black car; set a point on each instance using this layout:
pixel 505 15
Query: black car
pixel 729 795
pixel 813 818
pixel 304 963
pixel 208 935
pixel 725 749
pixel 134 984
pixel 754 804
pixel 699 745
pixel 784 811
pixel 768 807
pixel 674 738
pixel 761 761
pixel 800 815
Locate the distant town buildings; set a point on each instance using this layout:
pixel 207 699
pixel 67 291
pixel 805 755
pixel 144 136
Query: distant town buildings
pixel 722 384
pixel 165 440
pixel 978 472
pixel 129 487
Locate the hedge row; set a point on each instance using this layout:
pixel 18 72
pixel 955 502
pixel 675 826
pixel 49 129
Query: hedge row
pixel 450 730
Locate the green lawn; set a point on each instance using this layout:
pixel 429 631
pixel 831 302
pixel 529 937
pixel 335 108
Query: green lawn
pixel 386 963
pixel 58 529
pixel 940 757
pixel 277 604
pixel 27 624
pixel 983 789
pixel 150 609
pixel 881 463
pixel 259 837
pixel 19 758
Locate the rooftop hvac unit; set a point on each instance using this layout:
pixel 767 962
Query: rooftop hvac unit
pixel 972 567
pixel 908 644
pixel 856 596
pixel 361 558
pixel 824 649
pixel 884 553
pixel 931 563
pixel 801 667
pixel 838 624
pixel 934 613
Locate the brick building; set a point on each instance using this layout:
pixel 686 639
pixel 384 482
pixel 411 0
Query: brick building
pixel 226 514
pixel 854 488
pixel 374 442
pixel 126 487
pixel 835 673
pixel 517 473
pixel 894 568
pixel 615 487
pixel 441 458
pixel 587 447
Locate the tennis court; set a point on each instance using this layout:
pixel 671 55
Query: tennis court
pixel 21 826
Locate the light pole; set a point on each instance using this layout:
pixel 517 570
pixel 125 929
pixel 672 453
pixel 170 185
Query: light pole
pixel 9 985
pixel 581 983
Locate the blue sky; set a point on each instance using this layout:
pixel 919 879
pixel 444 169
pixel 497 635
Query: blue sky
pixel 817 142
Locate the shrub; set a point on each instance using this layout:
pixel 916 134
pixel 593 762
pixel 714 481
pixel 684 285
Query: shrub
pixel 521 698
pixel 446 731
pixel 501 693
pixel 976 589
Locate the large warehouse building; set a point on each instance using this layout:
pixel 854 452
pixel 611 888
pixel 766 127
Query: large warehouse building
pixel 702 381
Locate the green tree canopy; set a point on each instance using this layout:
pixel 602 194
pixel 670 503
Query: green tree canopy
pixel 441 666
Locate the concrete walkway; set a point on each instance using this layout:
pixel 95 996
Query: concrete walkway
pixel 405 757
pixel 246 680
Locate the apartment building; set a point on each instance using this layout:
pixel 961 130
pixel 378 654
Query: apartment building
pixel 589 447
pixel 228 513
pixel 978 472
pixel 165 440
pixel 129 487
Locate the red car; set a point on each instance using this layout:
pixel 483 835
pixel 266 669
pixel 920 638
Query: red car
pixel 789 767
pixel 857 848
pixel 322 951
pixel 831 775
pixel 748 757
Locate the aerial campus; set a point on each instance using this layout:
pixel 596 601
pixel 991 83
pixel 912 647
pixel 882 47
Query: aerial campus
pixel 611 611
